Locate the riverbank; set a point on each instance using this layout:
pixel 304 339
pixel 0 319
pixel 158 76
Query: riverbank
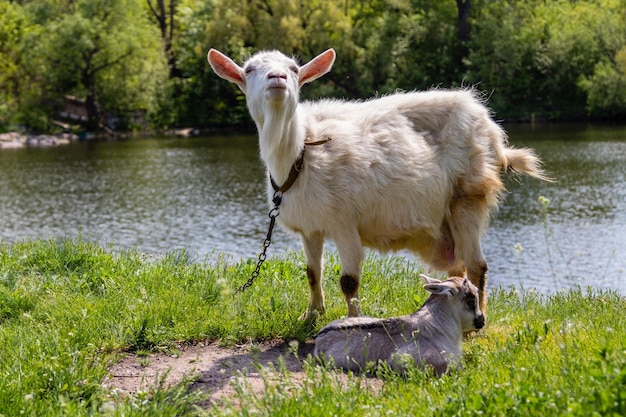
pixel 14 140
pixel 70 311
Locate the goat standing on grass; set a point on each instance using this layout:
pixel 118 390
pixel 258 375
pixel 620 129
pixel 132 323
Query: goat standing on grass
pixel 417 171
pixel 432 336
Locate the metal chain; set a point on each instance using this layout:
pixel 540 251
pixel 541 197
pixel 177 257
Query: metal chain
pixel 277 198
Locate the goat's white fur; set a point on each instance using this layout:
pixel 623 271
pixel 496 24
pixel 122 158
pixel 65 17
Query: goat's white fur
pixel 432 336
pixel 415 170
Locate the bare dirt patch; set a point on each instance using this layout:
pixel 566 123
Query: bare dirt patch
pixel 216 366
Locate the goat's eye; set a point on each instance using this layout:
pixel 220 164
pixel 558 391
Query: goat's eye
pixel 471 303
pixel 294 69
pixel 248 70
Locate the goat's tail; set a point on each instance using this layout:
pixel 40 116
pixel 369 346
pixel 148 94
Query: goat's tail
pixel 526 161
pixel 517 160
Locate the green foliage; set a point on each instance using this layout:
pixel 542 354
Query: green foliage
pixel 548 59
pixel 12 29
pixel 606 89
pixel 20 82
pixel 102 52
pixel 533 54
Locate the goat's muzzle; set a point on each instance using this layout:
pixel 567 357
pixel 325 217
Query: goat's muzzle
pixel 479 322
pixel 276 81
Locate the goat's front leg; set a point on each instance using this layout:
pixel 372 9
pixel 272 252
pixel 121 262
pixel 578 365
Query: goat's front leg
pixel 351 254
pixel 313 249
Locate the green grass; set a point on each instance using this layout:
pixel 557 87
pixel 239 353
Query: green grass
pixel 69 309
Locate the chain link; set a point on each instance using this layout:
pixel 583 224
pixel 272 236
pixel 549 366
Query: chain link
pixel 274 212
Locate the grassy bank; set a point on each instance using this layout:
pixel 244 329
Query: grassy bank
pixel 69 309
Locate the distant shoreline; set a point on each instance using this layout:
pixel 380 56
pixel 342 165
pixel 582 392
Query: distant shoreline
pixel 14 140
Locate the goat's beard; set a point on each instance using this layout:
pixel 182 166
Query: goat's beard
pixel 276 94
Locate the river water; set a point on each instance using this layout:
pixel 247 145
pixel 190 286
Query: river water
pixel 206 195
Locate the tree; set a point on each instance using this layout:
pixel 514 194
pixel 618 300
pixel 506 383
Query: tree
pixel 12 29
pixel 555 58
pixel 533 54
pixel 104 52
pixel 406 44
pixel 165 16
pixel 606 87
pixel 463 7
pixel 240 28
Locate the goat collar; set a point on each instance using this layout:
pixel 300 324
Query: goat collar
pixel 296 168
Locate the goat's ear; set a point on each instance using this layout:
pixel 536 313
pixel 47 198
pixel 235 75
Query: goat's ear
pixel 429 280
pixel 226 67
pixel 317 67
pixel 441 288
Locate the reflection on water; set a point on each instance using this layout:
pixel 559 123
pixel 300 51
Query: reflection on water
pixel 207 195
pixel 581 238
pixel 156 195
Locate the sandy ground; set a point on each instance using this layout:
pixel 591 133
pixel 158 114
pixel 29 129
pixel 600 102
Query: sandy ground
pixel 216 366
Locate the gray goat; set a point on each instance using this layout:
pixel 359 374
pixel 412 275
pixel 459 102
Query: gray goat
pixel 432 336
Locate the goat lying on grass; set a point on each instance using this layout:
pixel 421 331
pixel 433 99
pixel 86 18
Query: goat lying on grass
pixel 417 171
pixel 432 336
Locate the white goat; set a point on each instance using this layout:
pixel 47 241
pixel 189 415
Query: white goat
pixel 432 336
pixel 417 171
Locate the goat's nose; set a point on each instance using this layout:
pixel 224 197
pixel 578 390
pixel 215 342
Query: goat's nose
pixel 479 321
pixel 277 74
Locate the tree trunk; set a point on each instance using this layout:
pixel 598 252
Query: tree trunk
pixel 463 7
pixel 160 13
pixel 92 112
pixel 89 82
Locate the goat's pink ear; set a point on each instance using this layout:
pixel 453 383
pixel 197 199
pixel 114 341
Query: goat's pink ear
pixel 317 67
pixel 226 67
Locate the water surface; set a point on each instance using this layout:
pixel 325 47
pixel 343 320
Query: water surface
pixel 206 195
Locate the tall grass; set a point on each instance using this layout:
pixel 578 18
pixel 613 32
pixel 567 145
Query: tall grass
pixel 69 308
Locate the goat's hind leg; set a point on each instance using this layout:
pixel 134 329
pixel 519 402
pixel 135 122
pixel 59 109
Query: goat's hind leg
pixel 351 253
pixel 467 220
pixel 313 249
